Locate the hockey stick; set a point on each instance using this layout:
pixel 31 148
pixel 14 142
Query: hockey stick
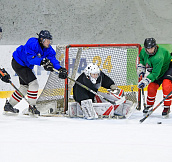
pixel 16 89
pixel 90 90
pixel 153 109
pixel 143 97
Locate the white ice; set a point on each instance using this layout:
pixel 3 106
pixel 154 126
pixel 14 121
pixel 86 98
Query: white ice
pixel 50 139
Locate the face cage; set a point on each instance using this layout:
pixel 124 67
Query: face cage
pixel 95 73
pixel 151 54
pixel 51 42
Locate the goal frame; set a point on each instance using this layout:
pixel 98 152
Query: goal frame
pixel 95 45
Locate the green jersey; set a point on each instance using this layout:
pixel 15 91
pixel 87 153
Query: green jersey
pixel 158 63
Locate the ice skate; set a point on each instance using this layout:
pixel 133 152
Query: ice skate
pixel 146 110
pixel 166 111
pixel 9 108
pixel 33 110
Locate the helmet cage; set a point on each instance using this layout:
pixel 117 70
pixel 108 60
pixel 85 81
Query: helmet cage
pixel 151 54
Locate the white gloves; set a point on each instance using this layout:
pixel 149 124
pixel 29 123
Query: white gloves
pixel 143 83
pixel 141 70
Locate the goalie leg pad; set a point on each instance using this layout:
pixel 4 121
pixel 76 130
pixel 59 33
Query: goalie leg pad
pixel 88 110
pixel 110 96
pixel 74 110
pixel 128 108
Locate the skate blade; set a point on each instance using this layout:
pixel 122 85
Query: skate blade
pixel 53 115
pixel 31 114
pixel 165 116
pixel 34 115
pixel 9 113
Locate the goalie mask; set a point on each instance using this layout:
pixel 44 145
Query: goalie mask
pixel 92 71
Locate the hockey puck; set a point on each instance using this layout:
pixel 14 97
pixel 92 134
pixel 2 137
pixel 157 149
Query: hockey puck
pixel 159 122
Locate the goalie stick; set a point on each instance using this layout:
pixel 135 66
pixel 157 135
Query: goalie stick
pixel 17 89
pixel 153 109
pixel 120 101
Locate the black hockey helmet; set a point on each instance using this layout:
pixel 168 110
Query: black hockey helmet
pixel 149 43
pixel 45 34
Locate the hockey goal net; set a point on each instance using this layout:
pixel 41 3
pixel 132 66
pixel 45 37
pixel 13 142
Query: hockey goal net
pixel 118 61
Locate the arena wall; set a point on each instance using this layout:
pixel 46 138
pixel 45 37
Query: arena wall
pixel 87 21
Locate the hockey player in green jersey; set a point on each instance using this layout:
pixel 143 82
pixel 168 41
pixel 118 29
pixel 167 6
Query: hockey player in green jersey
pixel 156 69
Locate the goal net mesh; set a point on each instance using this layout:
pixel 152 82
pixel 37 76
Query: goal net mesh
pixel 116 61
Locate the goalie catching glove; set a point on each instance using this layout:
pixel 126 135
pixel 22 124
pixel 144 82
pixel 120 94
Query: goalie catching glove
pixel 4 76
pixel 48 66
pixel 62 73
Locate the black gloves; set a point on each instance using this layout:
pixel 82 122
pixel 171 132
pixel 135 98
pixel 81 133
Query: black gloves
pixel 4 76
pixel 62 73
pixel 48 66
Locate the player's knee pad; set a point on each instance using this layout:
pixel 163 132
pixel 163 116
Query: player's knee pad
pixel 166 86
pixel 152 89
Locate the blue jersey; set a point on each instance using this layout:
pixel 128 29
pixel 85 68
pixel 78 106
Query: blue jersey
pixel 32 54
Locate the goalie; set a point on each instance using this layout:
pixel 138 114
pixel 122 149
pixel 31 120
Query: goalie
pixel 92 105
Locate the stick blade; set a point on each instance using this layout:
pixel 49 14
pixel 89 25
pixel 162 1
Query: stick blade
pixel 142 120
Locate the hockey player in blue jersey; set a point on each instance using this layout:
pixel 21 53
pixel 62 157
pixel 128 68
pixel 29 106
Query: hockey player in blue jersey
pixel 36 51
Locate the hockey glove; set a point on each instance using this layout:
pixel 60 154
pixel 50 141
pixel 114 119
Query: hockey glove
pixel 62 73
pixel 141 70
pixel 48 66
pixel 4 76
pixel 143 83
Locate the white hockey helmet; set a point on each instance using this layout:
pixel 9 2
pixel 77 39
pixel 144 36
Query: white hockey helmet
pixel 91 69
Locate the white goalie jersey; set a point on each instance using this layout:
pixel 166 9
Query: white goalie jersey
pixel 103 108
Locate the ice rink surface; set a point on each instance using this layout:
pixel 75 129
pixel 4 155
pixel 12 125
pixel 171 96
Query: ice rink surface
pixel 50 139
